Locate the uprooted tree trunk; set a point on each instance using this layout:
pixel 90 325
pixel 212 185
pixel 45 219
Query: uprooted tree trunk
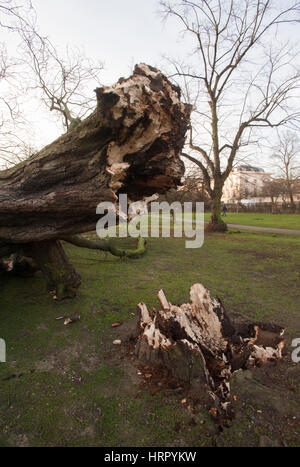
pixel 130 144
pixel 198 339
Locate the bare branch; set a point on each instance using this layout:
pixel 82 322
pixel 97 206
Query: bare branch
pixel 64 80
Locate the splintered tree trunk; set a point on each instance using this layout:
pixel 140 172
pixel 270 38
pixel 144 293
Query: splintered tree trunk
pixel 130 144
pixel 198 339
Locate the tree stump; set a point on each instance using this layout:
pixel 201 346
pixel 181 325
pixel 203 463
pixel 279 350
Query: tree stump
pixel 198 339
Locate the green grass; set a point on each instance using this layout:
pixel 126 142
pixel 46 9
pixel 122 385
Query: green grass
pixel 280 221
pixel 72 388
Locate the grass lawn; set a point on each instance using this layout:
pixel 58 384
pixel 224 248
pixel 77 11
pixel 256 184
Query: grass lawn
pixel 280 221
pixel 70 386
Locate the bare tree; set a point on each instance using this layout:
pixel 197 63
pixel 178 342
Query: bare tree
pixel 286 159
pixel 13 147
pixel 274 189
pixel 12 11
pixel 14 128
pixel 191 189
pixel 239 77
pixel 65 80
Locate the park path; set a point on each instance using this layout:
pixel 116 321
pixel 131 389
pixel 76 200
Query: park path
pixel 264 229
pixel 257 228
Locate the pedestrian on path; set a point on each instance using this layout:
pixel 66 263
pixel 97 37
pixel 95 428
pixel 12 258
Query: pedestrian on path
pixel 224 210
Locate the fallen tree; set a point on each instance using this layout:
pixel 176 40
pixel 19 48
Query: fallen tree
pixel 130 144
pixel 198 340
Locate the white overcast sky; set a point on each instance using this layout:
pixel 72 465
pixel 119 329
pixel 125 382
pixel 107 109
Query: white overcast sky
pixel 120 33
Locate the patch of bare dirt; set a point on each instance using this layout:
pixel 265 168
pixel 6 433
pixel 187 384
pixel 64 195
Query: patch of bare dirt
pixel 256 254
pixel 60 359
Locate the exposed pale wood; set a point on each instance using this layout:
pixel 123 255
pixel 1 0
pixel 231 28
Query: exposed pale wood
pixel 163 300
pixel 199 339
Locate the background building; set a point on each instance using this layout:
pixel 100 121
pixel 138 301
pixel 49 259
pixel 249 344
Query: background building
pixel 244 182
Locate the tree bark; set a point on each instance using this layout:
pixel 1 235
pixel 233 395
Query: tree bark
pixel 216 223
pixel 61 278
pixel 198 339
pixel 130 144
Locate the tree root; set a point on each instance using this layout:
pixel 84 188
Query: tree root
pixel 107 245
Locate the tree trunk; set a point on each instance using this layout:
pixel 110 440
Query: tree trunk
pixel 130 144
pixel 198 339
pixel 61 278
pixel 293 205
pixel 216 223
